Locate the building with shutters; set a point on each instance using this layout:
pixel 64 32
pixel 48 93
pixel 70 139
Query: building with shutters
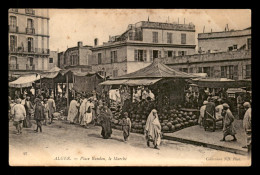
pixel 28 38
pixel 75 56
pixel 221 55
pixel 140 44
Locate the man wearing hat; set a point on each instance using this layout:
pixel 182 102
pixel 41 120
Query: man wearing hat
pixel 247 125
pixel 228 128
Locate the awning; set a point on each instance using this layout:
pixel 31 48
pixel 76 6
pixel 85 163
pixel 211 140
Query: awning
pixel 235 90
pixel 141 82
pixel 131 82
pixel 24 81
pixel 49 75
pixel 113 82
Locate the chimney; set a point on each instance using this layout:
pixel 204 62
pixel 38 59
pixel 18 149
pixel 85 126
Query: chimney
pixel 95 41
pixel 80 44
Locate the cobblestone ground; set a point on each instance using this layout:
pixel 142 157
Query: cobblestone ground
pixel 63 144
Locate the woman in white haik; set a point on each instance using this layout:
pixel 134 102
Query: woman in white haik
pixel 88 114
pixel 153 129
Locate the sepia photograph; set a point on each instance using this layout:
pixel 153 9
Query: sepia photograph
pixel 129 87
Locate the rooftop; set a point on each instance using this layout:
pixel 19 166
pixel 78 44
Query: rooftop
pixel 223 34
pixel 160 25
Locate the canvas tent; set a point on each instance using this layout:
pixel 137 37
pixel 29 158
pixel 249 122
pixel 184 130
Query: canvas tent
pixel 24 81
pixel 149 75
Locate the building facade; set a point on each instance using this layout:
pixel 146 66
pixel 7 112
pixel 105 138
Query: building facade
pixel 75 56
pixel 233 65
pixel 28 40
pixel 140 44
pixel 224 41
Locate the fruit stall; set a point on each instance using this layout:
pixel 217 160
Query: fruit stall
pixel 168 86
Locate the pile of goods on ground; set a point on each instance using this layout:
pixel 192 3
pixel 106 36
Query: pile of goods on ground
pixel 171 118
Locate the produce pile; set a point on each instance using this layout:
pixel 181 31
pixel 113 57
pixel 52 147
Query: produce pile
pixel 171 118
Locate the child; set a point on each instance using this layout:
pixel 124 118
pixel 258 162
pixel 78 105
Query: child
pixel 126 126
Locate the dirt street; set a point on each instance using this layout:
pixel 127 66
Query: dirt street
pixel 63 144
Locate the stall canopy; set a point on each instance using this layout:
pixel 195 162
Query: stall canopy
pixel 220 83
pixel 52 73
pixel 156 70
pixel 24 81
pixel 149 75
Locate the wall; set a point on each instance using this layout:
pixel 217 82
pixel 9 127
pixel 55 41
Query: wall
pixel 54 55
pixel 121 67
pixel 106 55
pixel 84 56
pixel 162 36
pixel 222 44
pixel 135 66
pixel 213 60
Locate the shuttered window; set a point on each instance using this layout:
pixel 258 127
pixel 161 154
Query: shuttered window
pixel 183 38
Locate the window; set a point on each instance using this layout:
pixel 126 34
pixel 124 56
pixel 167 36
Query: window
pixel 13 42
pixel 30 44
pixel 50 60
pixel 248 71
pixel 182 53
pixel 227 72
pixel 249 43
pixel 155 37
pixel 185 70
pixel 115 73
pixel 29 23
pixel 235 47
pixel 99 58
pixel 140 55
pixel 113 56
pixel 180 69
pixel 13 21
pixel 230 48
pixel 183 38
pixel 200 70
pixel 206 70
pixel 31 61
pixel 190 70
pixel 169 37
pixel 170 53
pixel 235 74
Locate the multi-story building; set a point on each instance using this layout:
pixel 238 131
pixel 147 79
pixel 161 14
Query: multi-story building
pixel 140 44
pixel 224 41
pixel 28 40
pixel 75 56
pixel 221 55
pixel 233 65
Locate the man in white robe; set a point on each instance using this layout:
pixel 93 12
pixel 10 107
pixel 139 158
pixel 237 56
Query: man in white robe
pixel 73 111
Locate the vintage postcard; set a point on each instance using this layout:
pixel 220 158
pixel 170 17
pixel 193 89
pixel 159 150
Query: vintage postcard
pixel 129 87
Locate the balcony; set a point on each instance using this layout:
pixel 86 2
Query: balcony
pixel 13 29
pixel 30 31
pixel 26 50
pixel 14 66
pixel 42 51
pixel 28 67
pixel 30 11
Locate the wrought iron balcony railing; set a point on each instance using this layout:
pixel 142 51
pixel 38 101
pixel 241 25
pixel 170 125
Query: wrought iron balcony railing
pixel 13 29
pixel 13 66
pixel 30 30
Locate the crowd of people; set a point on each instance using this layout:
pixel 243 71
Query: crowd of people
pixel 217 110
pixel 21 111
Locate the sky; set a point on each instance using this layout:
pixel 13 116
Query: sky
pixel 68 26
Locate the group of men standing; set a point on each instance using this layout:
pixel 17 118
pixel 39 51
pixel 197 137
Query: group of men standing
pixel 209 113
pixel 22 111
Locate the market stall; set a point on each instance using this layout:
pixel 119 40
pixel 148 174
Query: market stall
pixel 166 84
